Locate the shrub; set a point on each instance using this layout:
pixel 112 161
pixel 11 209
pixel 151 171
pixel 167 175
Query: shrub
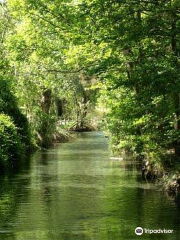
pixel 9 106
pixel 11 148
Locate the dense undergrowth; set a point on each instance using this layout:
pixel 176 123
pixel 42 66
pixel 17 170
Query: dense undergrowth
pixel 15 137
pixel 12 148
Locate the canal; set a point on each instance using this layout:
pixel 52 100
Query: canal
pixel 74 191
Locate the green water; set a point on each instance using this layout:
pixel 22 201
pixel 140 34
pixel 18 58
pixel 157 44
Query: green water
pixel 75 192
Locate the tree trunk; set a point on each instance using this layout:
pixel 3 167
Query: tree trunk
pixel 46 101
pixel 59 107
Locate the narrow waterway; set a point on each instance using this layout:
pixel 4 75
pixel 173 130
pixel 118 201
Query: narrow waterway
pixel 75 192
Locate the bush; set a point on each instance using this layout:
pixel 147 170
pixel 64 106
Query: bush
pixel 9 106
pixel 11 148
pixel 46 129
pixel 15 137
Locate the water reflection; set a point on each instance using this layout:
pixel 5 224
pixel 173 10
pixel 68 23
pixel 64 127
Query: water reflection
pixel 74 191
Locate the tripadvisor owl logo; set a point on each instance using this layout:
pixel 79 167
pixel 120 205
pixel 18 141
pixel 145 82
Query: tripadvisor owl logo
pixel 138 231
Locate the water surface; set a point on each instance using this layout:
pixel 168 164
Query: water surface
pixel 75 192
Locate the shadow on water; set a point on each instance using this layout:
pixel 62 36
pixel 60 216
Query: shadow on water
pixel 74 191
pixel 11 193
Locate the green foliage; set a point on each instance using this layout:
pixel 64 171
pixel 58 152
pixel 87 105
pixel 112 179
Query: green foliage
pixel 126 51
pixel 140 68
pixel 11 147
pixel 46 129
pixel 8 106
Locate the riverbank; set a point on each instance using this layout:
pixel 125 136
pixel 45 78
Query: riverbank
pixel 162 168
pixel 171 182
